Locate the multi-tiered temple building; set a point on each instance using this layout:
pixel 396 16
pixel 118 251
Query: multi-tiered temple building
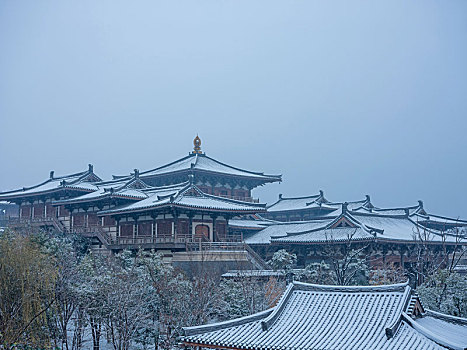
pixel 197 200
pixel 187 202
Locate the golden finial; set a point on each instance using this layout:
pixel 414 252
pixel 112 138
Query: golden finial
pixel 197 144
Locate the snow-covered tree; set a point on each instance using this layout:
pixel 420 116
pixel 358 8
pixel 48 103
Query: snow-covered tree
pixel 92 294
pixel 246 295
pixel 446 292
pixel 130 303
pixel 65 256
pixel 431 258
pixel 386 274
pixel 349 267
pixel 27 280
pixel 283 260
pixel 318 272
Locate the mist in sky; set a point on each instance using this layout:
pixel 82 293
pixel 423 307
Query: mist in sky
pixel 351 97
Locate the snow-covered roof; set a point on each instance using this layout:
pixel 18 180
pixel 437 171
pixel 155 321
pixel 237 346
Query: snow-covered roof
pixel 82 181
pixel 453 330
pixel 351 225
pixel 252 273
pixel 186 195
pixel 439 222
pixel 318 204
pixel 283 229
pixel 259 273
pixel 126 188
pixel 201 162
pixel 323 317
pixel 318 201
pixel 284 204
pixel 339 234
pixel 251 224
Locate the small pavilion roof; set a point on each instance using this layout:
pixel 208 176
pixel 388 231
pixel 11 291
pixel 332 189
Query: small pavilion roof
pixel 300 203
pixel 368 207
pixel 131 187
pixel 186 195
pixel 310 316
pixel 416 213
pixel 82 181
pixel 316 201
pixel 438 222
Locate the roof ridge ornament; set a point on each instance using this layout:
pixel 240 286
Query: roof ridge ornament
pixel 368 203
pixel 191 178
pixel 344 207
pixel 197 145
pixel 51 174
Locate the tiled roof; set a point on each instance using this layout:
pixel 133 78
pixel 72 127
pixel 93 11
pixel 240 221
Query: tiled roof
pixel 283 229
pixel 323 317
pixel 251 224
pixel 340 234
pixel 130 187
pixel 300 203
pixel 452 329
pixel 123 188
pixel 80 181
pixel 258 273
pixel 358 226
pixel 318 201
pixel 201 162
pixel 285 204
pixel 437 221
pixel 186 195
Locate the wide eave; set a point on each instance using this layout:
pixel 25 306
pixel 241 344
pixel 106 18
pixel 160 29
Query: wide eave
pixel 186 196
pixel 78 182
pixel 201 164
pixel 312 316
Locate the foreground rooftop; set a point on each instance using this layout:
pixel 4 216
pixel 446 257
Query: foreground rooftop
pixel 312 316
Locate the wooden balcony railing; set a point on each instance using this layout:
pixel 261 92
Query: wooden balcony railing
pixel 37 221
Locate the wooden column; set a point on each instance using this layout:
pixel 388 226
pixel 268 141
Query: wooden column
pixel 214 233
pixel 190 224
pixel 401 252
pixel 135 226
pixel 227 228
pixel 175 224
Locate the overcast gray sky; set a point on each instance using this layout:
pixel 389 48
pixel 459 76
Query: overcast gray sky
pixel 352 97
